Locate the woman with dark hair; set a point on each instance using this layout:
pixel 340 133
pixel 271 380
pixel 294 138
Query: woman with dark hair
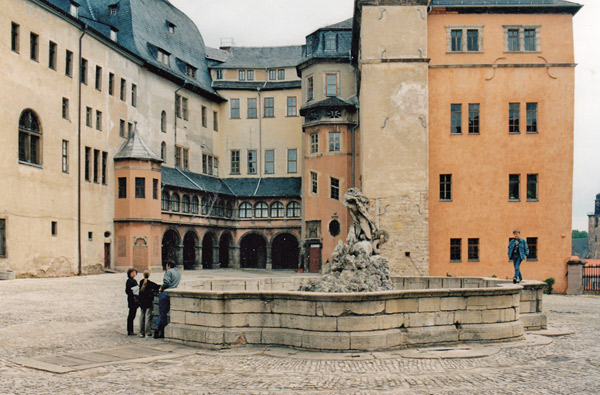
pixel 132 290
pixel 148 290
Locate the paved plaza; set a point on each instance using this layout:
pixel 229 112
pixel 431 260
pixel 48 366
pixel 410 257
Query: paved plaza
pixel 78 324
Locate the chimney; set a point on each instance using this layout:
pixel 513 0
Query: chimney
pixel 226 44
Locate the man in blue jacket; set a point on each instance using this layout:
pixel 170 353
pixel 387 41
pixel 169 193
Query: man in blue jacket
pixel 517 251
pixel 170 281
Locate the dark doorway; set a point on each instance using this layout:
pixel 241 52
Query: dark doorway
pixel 284 250
pixel 190 241
pixel 106 255
pixel 253 251
pixel 170 243
pixel 207 250
pixel 224 245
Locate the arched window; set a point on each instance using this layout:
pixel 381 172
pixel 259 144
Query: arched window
pixel 277 210
pixel 261 210
pixel 219 208
pixel 166 201
pixel 229 210
pixel 30 138
pixel 245 210
pixel 194 205
pixel 204 205
pixel 163 151
pixel 293 210
pixel 163 122
pixel 185 204
pixel 175 202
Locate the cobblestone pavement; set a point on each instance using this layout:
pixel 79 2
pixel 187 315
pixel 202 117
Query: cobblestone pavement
pixel 42 317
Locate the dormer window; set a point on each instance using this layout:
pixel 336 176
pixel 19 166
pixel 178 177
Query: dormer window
pixel 74 9
pixel 171 27
pixel 330 42
pixel 219 74
pixel 112 9
pixel 162 57
pixel 190 71
pixel 309 47
pixel 113 34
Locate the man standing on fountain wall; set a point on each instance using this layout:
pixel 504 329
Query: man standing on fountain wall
pixel 517 251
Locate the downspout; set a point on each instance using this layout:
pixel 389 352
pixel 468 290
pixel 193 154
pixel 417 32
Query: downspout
pixel 175 117
pixel 79 247
pixel 352 136
pixel 259 109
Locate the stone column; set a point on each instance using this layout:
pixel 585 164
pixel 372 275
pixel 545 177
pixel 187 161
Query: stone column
pixel 575 276
pixel 179 256
pixel 269 259
pixel 215 262
pixel 234 258
pixel 198 260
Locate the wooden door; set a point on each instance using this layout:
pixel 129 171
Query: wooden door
pixel 314 258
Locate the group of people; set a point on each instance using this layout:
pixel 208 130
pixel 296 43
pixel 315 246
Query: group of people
pixel 142 295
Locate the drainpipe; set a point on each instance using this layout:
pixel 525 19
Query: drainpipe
pixel 259 109
pixel 353 161
pixel 175 113
pixel 79 247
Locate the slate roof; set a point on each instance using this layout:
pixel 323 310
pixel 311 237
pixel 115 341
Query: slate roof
pixel 499 4
pixel 327 103
pixel 245 85
pixel 580 247
pixel 257 57
pixel 315 43
pixel 193 181
pixel 135 148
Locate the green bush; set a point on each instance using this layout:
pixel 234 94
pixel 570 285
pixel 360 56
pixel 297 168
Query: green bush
pixel 549 282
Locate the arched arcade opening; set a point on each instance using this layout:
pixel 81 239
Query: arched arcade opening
pixel 208 244
pixel 190 242
pixel 284 251
pixel 225 242
pixel 170 245
pixel 253 251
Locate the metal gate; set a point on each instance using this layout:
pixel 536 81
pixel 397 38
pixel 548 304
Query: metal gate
pixel 591 279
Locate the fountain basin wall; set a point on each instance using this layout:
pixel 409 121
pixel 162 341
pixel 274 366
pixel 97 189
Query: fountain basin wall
pixel 421 311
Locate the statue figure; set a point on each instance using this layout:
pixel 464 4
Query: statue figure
pixel 363 227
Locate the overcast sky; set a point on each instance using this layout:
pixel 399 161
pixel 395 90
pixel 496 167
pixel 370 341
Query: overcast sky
pixel 287 22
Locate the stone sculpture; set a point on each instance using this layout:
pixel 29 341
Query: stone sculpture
pixel 356 265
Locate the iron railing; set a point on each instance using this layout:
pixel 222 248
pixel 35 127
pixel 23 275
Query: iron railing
pixel 591 279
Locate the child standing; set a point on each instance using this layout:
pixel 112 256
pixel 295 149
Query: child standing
pixel 147 291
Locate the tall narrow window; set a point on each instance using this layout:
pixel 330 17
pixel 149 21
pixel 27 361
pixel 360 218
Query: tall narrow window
pixel 65 156
pixel 292 165
pixel 514 181
pixel 445 187
pixel 83 70
pixel 532 187
pixel 242 75
pixel 88 117
pixel 163 121
pixel 111 84
pixel 204 164
pixel 532 243
pixel 3 237
pixel 251 108
pixel 281 74
pixel 235 108
pixel 330 42
pixel 456 37
pixel 184 108
pixel 215 121
pixel 235 162
pixel 69 63
pixel 335 188
pixel 15 39
pixel 218 74
pixel 532 109
pixel 74 9
pixel 140 188
pixel 54 228
pixel 34 47
pixel 104 167
pixel 292 106
pixel 163 151
pixel 65 108
pixel 178 106
pixel 261 210
pixel 334 141
pixel 129 129
pixel 52 55
pixel 272 75
pixel 472 40
pixel 456 118
pixel 269 107
pixel 204 116
pixel 99 78
pixel 314 182
pixel 87 164
pixel 123 90
pixel 98 120
pixel 96 165
pixel 186 159
pixel 252 161
pixel 134 95
pixel 122 128
pixel 473 250
pixel 513 40
pixel 177 156
pixel 292 210
pixel 529 39
pixel 310 89
pixel 314 143
pixel 269 161
pixel 215 167
pixel 455 253
pixel 331 84
pixel 163 57
pixel 513 117
pixel 165 201
pixel 250 75
pixel 473 118
pixel 122 187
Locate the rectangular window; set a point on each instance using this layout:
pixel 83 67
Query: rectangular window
pixel 335 188
pixel 532 109
pixel 251 161
pixel 190 71
pixel 215 121
pixel 330 42
pixel 83 78
pixel 96 165
pixel 292 162
pixel 513 40
pixel 134 95
pixel 98 120
pixel 269 107
pixel 235 108
pixel 184 108
pixel 292 106
pixel 455 118
pixel 310 89
pixel 88 117
pixel 281 74
pixel 186 158
pixel 111 84
pixel 54 228
pixel 445 187
pixel 473 250
pixel 272 75
pixel 472 40
pixel 65 108
pixel 251 108
pixel 163 57
pixel 90 236
pixel 88 159
pixel 122 188
pixel 532 244
pixel 140 188
pixel 473 118
pixel 209 166
pixel 314 182
pixel 123 92
pixel 242 75
pixel 331 84
pixel 177 156
pixel 104 167
pixel 529 39
pixel 269 161
pixel 99 78
pixel 129 129
pixel 155 189
pixel 532 187
pixel 250 75
pixel 513 117
pixel 456 37
pixel 235 162
pixel 69 63
pixel 314 143
pixel 52 55
pixel 122 128
pixel 219 74
pixel 204 164
pixel 15 39
pixel 334 141
pixel 204 116
pixel 455 253
pixel 65 156
pixel 178 105
pixel 34 47
pixel 3 238
pixel 514 181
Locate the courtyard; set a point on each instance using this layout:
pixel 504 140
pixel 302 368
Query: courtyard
pixel 64 322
